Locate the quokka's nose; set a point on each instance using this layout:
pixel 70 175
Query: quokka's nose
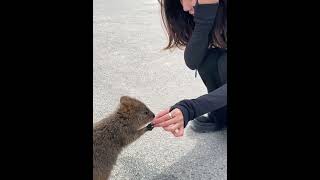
pixel 153 115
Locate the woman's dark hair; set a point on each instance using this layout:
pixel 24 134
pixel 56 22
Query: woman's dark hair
pixel 179 24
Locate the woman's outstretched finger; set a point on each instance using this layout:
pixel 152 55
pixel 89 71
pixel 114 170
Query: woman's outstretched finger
pixel 158 122
pixel 174 127
pixel 167 122
pixel 161 113
pixel 168 128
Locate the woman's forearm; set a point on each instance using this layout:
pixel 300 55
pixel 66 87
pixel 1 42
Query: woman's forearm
pixel 192 108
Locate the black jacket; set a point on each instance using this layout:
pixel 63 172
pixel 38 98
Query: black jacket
pixel 194 54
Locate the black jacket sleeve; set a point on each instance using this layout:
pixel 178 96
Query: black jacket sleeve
pixel 192 108
pixel 197 46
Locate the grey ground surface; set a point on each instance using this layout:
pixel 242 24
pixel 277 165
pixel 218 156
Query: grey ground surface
pixel 128 60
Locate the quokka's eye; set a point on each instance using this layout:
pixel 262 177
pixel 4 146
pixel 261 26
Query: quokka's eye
pixel 146 112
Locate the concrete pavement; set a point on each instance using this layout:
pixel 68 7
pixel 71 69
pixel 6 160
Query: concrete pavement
pixel 128 60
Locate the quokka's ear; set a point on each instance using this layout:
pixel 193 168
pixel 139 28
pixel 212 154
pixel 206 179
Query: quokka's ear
pixel 125 100
pixel 126 104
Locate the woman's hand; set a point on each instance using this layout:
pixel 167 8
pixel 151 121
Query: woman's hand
pixel 175 124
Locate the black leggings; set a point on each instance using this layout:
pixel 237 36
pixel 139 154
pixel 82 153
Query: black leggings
pixel 213 72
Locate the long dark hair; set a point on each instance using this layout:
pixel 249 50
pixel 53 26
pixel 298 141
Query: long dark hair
pixel 179 24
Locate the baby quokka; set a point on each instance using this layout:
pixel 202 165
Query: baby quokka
pixel 111 134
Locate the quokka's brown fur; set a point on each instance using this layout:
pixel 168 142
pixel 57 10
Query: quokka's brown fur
pixel 113 133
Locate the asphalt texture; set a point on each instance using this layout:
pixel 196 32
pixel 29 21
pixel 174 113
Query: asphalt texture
pixel 129 60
